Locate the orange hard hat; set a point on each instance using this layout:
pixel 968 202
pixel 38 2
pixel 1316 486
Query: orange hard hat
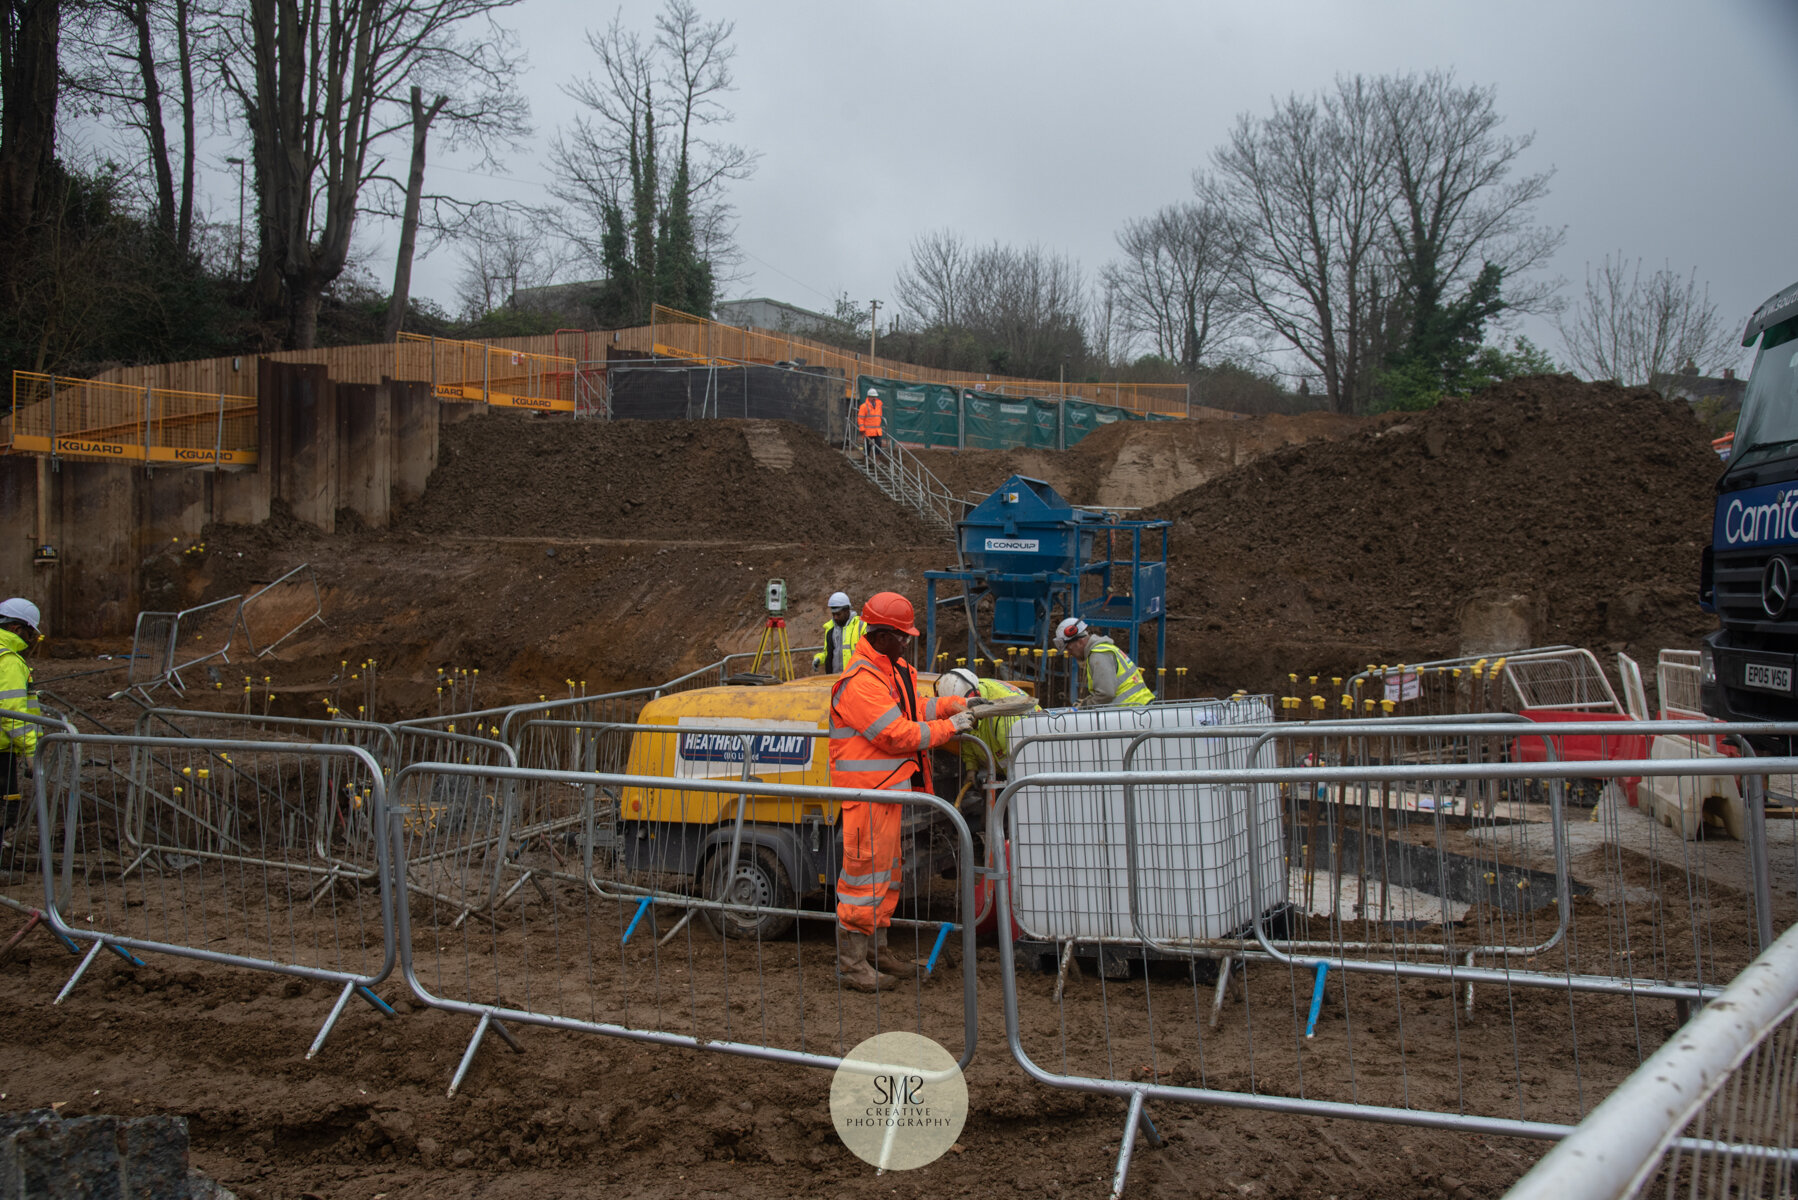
pixel 891 610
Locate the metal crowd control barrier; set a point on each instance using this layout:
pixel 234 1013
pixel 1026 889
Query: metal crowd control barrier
pixel 802 841
pixel 1729 1078
pixel 582 956
pixel 219 850
pixel 1366 1021
pixel 1439 687
pixel 22 831
pixel 498 720
pixel 262 633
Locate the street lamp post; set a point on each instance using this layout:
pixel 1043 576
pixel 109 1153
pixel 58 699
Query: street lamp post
pixel 239 164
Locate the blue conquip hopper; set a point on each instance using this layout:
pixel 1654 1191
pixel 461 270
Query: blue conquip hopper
pixel 1028 559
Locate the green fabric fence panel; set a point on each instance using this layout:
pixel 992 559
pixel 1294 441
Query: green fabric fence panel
pixel 945 416
pixel 1014 422
pixel 1080 418
pixel 984 422
pixel 1045 425
pixel 931 414
pixel 920 414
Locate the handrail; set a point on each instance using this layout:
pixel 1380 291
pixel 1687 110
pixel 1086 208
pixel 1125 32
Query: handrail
pixel 1620 1144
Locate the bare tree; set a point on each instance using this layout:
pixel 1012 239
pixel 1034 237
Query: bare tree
pixel 120 53
pixel 1007 309
pixel 480 108
pixel 642 171
pixel 1631 329
pixel 1176 283
pixel 1459 218
pixel 1307 187
pixel 321 85
pixel 30 32
pixel 932 287
pixel 504 252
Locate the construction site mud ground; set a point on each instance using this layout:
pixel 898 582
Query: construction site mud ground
pixel 584 1116
pixel 549 555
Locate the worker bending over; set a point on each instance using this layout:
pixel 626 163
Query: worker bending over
pixel 993 732
pixel 1110 676
pixel 19 622
pixel 841 633
pixel 881 735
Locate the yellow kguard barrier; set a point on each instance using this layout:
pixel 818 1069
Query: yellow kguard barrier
pixel 483 374
pixel 79 418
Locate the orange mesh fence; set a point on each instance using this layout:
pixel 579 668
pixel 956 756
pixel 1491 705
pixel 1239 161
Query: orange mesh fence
pixel 80 418
pixel 484 374
pixel 675 334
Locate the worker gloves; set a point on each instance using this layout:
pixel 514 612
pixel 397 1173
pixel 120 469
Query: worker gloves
pixel 963 721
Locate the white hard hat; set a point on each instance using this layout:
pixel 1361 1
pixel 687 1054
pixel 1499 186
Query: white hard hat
pixel 1070 630
pixel 20 609
pixel 958 682
pixel 875 392
pixel 838 600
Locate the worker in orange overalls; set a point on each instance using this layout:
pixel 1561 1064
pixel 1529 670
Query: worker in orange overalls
pixel 881 735
pixel 867 419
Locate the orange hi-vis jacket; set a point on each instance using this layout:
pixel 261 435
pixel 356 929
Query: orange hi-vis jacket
pixel 867 417
pixel 881 733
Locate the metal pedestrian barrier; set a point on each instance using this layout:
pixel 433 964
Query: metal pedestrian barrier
pixel 1299 919
pixel 1452 922
pixel 255 854
pixel 1713 1113
pixel 603 941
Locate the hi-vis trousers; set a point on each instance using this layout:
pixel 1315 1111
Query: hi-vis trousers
pixel 868 885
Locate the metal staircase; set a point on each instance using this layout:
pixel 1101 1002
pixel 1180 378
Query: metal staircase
pixel 903 478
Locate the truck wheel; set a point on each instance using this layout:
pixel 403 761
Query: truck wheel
pixel 760 880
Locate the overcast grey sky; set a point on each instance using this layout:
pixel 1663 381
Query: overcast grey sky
pixel 1672 128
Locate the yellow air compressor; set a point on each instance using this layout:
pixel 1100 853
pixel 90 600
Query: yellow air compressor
pixel 788 850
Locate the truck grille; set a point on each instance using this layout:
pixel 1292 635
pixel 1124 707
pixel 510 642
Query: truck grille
pixel 1737 576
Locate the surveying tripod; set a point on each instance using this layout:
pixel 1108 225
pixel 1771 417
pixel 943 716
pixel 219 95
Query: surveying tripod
pixel 774 644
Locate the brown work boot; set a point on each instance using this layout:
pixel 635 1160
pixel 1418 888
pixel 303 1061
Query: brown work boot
pixel 885 958
pixel 853 969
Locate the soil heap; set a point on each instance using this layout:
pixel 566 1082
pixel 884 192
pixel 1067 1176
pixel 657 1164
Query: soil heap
pixel 624 553
pixel 1131 464
pixel 1590 502
pixel 758 481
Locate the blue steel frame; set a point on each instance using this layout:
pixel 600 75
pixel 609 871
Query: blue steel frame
pixel 1092 567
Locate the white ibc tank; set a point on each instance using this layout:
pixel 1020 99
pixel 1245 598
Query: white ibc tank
pixel 1068 843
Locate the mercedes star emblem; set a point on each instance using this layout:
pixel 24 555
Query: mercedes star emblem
pixel 1776 586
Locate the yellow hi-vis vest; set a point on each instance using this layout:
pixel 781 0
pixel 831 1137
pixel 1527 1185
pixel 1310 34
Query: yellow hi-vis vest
pixel 847 636
pixel 17 737
pixel 995 732
pixel 1131 688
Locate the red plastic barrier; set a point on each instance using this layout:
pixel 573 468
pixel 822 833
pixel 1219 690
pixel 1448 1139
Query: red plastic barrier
pixel 991 921
pixel 1584 747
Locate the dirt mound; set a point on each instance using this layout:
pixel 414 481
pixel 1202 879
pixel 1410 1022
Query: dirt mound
pixel 761 481
pixel 624 554
pixel 1133 464
pixel 1590 502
